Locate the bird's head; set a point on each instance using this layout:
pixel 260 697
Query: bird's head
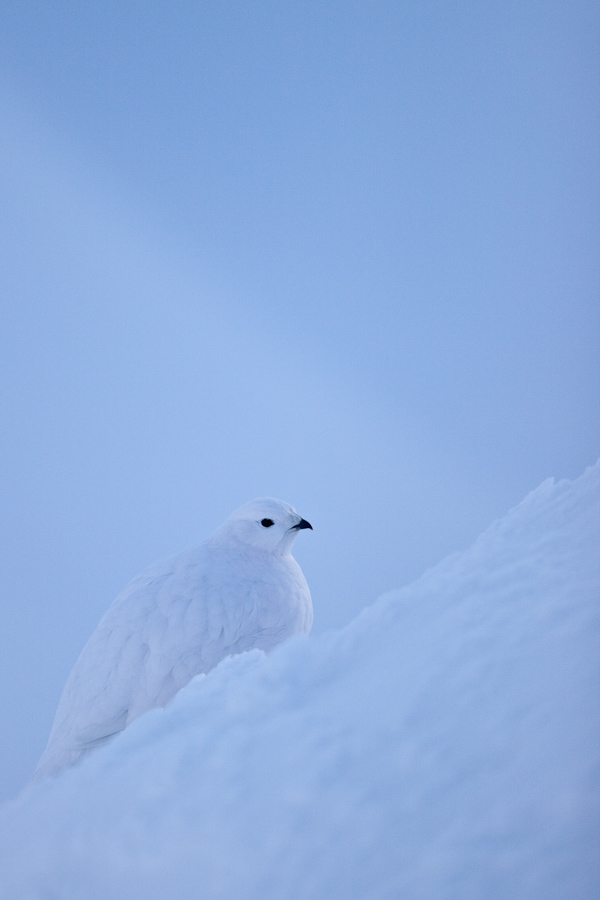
pixel 264 524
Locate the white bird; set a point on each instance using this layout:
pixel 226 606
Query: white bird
pixel 240 588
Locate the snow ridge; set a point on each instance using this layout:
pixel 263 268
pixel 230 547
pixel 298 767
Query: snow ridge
pixel 443 746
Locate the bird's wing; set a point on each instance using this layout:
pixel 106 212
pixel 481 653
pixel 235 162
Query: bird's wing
pixel 164 628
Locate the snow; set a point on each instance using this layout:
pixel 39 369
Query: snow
pixel 443 745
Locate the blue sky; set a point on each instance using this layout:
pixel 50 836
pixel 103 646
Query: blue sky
pixel 344 253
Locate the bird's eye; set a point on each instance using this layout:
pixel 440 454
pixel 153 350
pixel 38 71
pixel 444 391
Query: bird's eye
pixel 267 522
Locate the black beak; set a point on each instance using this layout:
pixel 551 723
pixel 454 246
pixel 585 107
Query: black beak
pixel 302 524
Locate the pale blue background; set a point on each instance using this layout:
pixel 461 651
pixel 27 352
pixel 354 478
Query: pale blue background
pixel 341 253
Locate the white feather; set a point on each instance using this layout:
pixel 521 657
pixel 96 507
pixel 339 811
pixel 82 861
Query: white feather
pixel 239 589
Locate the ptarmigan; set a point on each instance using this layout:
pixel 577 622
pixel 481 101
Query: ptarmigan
pixel 239 589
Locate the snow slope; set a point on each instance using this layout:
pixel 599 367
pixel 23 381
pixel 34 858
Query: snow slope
pixel 443 745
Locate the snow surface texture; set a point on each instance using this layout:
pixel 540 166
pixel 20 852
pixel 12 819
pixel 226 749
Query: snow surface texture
pixel 443 745
pixel 240 589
